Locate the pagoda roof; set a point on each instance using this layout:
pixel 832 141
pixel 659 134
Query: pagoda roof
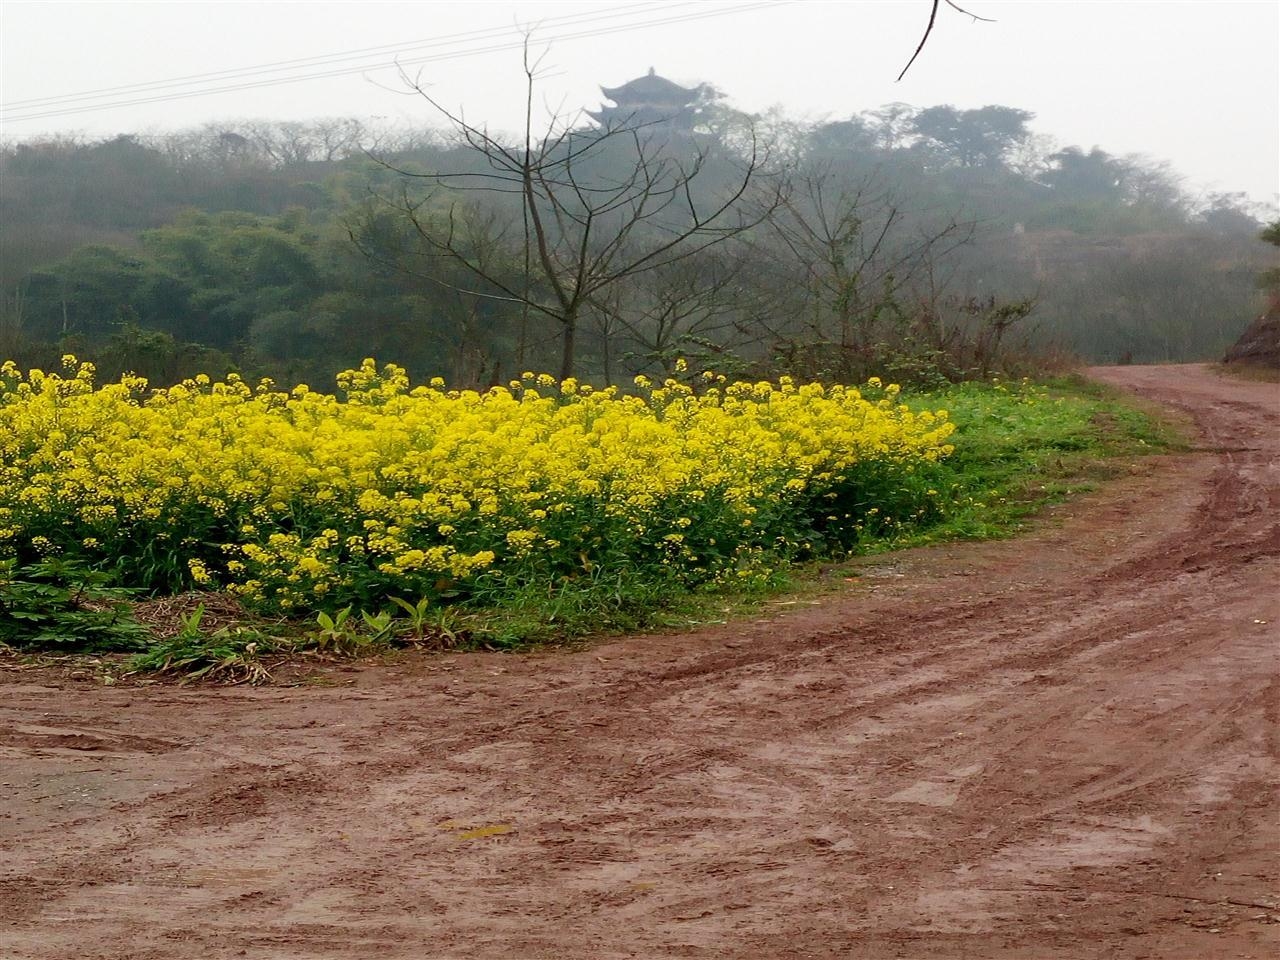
pixel 651 87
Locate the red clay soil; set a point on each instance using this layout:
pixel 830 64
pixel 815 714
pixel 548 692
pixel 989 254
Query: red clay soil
pixel 1060 746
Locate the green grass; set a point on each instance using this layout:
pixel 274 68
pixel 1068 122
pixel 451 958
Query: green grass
pixel 574 609
pixel 1020 448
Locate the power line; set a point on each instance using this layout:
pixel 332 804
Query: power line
pixel 346 71
pixel 323 59
pixel 161 97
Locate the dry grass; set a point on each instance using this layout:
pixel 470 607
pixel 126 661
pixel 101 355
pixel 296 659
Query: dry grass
pixel 165 616
pixel 1249 371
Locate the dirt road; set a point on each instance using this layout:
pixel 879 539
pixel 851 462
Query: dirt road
pixel 1062 746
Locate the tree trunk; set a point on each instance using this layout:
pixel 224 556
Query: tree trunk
pixel 568 345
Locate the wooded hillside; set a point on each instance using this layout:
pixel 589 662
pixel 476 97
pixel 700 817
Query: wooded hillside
pixel 926 238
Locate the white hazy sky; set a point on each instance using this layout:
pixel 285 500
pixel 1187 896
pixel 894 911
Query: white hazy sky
pixel 1194 83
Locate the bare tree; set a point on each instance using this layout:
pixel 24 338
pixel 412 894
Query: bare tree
pixel 587 209
pixel 846 262
pixel 698 309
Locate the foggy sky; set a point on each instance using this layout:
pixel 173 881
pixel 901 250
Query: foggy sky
pixel 1194 83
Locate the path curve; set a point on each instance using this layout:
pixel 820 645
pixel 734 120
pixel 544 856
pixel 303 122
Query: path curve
pixel 1059 746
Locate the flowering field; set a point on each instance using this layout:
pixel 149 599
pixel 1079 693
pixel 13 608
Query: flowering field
pixel 304 501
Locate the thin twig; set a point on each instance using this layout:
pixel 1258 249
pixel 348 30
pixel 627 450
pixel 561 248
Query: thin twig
pixel 933 15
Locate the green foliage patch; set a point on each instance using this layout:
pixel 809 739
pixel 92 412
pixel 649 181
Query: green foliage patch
pixel 65 607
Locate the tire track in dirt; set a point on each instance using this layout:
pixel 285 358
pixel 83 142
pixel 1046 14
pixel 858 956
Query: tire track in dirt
pixel 1061 746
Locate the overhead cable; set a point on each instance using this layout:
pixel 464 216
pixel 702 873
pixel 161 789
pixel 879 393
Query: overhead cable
pixel 700 13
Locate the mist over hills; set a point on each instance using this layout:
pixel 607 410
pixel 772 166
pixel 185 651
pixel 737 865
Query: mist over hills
pixel 293 249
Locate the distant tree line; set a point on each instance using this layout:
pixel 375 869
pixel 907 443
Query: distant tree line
pixel 920 242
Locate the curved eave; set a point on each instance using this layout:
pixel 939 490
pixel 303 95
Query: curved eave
pixel 649 87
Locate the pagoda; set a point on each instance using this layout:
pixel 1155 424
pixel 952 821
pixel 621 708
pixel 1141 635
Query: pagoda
pixel 649 100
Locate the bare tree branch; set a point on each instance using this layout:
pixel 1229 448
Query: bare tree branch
pixel 933 16
pixel 585 228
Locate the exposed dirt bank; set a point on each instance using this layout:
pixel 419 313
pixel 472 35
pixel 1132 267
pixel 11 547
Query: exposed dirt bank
pixel 1060 746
